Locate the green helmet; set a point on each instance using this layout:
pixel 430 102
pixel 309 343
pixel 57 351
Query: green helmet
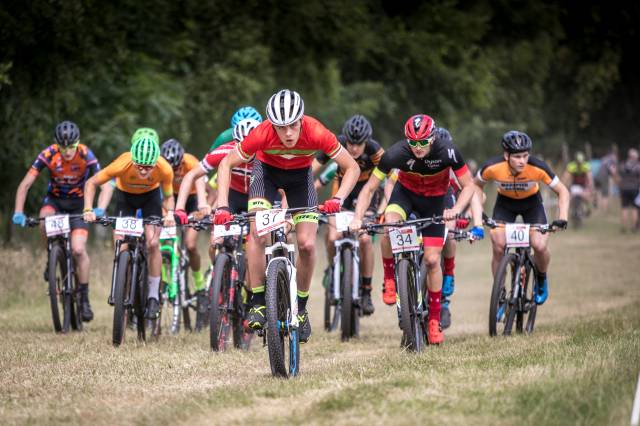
pixel 145 131
pixel 145 151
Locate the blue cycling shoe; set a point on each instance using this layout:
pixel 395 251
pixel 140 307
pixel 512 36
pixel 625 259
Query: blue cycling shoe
pixel 542 292
pixel 448 285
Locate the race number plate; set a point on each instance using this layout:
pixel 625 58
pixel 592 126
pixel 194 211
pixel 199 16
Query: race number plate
pixel 517 234
pixel 168 233
pixel 269 220
pixel 129 226
pixel 343 219
pixel 56 225
pixel 404 239
pixel 220 231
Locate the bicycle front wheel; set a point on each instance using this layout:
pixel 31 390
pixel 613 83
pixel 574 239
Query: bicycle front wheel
pixel 347 308
pixel 57 272
pixel 410 318
pixel 121 293
pixel 219 324
pixel 501 310
pixel 279 328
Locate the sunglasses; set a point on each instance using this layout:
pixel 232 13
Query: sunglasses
pixel 422 143
pixel 68 147
pixel 143 168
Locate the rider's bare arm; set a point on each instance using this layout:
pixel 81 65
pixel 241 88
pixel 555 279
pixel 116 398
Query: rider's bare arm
pixel 351 173
pixel 23 190
pixel 563 200
pixel 185 186
pixel 468 189
pixel 106 193
pixel 90 192
pixel 364 198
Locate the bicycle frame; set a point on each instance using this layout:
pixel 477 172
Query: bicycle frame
pixel 280 249
pixel 138 258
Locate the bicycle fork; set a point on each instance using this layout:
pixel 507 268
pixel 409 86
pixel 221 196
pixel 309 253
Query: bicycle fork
pixel 355 270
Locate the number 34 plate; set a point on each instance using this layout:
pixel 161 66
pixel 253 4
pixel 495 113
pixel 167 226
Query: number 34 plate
pixel 404 239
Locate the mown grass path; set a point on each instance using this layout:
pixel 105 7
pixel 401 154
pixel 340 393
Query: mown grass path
pixel 580 366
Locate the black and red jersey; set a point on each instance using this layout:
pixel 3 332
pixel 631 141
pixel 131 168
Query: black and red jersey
pixel 366 162
pixel 428 176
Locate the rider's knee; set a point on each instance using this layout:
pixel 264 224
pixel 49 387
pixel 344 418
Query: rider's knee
pixel 432 260
pixel 153 245
pixel 365 239
pixel 192 246
pixel 79 250
pixel 306 248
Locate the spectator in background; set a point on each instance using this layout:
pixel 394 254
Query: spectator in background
pixel 601 179
pixel 627 176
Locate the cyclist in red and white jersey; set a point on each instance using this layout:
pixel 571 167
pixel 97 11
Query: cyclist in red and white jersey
pixel 284 147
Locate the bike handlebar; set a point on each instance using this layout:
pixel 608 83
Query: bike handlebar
pixel 543 228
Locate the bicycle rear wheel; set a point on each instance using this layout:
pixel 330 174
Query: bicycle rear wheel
pixel 121 293
pixel 279 320
pixel 410 319
pixel 347 308
pixel 219 321
pixel 501 310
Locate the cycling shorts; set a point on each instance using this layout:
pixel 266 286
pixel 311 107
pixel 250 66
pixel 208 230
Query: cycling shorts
pixel 351 201
pixel 237 201
pixel 68 206
pixel 531 209
pixel 405 202
pixel 297 185
pixel 149 202
pixel 628 197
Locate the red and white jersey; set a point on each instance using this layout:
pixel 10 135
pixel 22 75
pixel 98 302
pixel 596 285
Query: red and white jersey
pixel 240 174
pixel 264 143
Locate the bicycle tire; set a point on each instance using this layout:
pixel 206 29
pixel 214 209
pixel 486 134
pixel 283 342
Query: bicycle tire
pixel 140 302
pixel 76 308
pixel 500 310
pixel 121 291
pixel 528 292
pixel 410 320
pixel 347 313
pixel 218 302
pixel 186 314
pixel 56 257
pixel 278 309
pixel 326 280
pixel 241 338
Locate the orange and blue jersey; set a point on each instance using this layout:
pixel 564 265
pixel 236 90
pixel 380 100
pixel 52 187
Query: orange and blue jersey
pixel 67 177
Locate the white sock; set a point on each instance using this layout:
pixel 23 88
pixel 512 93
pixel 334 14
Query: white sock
pixel 154 287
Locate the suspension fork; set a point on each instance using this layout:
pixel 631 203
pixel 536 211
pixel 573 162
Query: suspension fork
pixel 113 272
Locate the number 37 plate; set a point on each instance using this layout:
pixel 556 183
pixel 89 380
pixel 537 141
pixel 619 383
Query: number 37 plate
pixel 404 239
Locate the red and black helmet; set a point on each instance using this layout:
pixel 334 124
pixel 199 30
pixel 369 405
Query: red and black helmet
pixel 420 127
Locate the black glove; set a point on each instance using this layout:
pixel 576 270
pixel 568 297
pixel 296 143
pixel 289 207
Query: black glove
pixel 562 224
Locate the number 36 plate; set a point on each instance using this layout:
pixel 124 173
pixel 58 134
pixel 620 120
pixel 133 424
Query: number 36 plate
pixel 404 239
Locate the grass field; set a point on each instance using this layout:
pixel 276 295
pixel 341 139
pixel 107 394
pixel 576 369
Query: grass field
pixel 579 367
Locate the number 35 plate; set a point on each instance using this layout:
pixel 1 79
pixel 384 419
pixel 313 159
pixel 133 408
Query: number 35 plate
pixel 404 239
pixel 56 225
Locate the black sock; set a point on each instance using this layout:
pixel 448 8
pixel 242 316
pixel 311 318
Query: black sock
pixel 257 298
pixel 366 285
pixel 302 303
pixel 541 277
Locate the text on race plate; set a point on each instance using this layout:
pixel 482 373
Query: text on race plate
pixel 56 225
pixel 168 232
pixel 129 226
pixel 269 220
pixel 517 234
pixel 404 239
pixel 343 219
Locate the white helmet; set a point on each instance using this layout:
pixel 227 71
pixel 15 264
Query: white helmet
pixel 243 128
pixel 285 107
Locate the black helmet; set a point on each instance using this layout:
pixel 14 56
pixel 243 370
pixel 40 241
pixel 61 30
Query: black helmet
pixel 67 133
pixel 173 152
pixel 514 141
pixel 357 129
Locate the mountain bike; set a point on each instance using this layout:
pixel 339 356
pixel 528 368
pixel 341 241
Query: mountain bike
pixel 406 248
pixel 515 283
pixel 281 333
pixel 60 273
pixel 226 292
pixel 129 284
pixel 175 296
pixel 577 206
pixel 342 294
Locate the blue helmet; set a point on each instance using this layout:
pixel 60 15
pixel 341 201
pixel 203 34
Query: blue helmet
pixel 244 113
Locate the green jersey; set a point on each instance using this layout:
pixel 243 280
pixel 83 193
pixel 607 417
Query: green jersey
pixel 224 137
